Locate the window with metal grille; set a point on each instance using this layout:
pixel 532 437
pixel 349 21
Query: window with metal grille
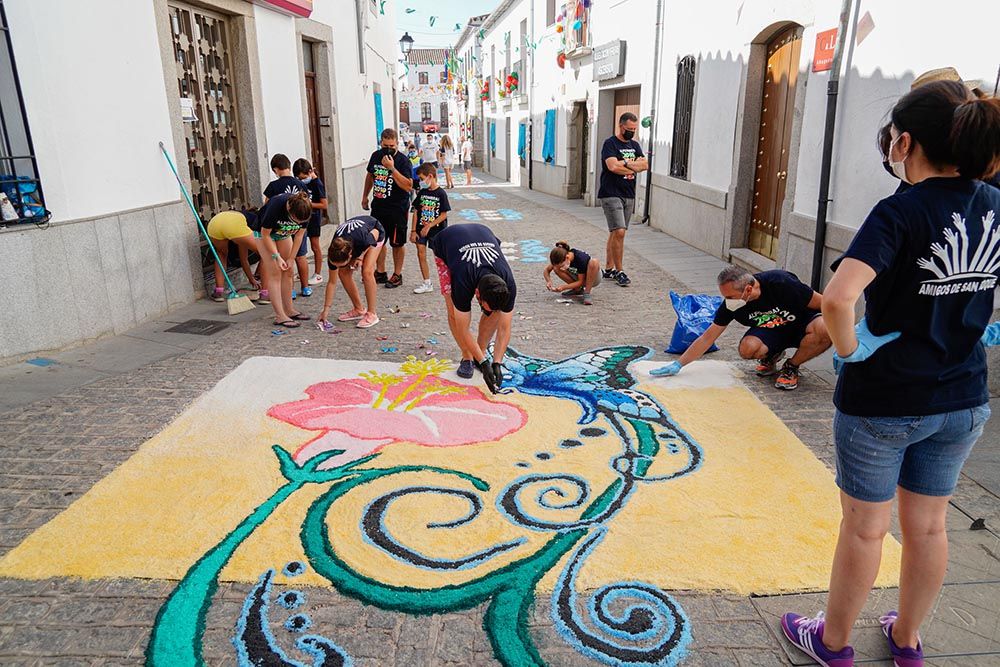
pixel 681 148
pixel 425 110
pixel 19 182
pixel 422 78
pixel 444 76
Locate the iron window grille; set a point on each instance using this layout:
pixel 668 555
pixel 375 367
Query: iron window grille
pixel 422 78
pixel 19 180
pixel 683 106
pixel 425 111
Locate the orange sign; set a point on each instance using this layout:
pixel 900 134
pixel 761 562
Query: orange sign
pixel 826 44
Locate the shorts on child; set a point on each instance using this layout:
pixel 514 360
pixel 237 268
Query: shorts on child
pixel 467 165
pixel 228 225
pixel 303 247
pixel 313 227
pixel 922 454
pixel 444 276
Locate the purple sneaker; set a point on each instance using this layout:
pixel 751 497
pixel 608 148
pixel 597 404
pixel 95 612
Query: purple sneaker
pixel 807 636
pixel 901 657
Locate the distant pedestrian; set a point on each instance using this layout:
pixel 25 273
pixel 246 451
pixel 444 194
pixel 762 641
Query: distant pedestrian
pixel 621 160
pixel 467 159
pixel 580 272
pixel 430 151
pixel 356 245
pixel 448 159
pixel 781 312
pixel 912 397
pixel 281 225
pixel 305 172
pixel 471 266
pixel 223 228
pixel 430 216
pixel 389 182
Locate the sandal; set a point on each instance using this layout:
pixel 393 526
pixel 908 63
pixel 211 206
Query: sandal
pixel 288 324
pixel 300 316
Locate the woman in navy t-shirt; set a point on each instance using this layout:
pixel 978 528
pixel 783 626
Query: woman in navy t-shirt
pixel 577 269
pixel 356 244
pixel 912 398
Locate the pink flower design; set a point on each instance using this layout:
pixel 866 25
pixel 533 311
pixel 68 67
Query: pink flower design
pixel 362 415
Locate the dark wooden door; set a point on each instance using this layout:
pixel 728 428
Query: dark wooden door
pixel 315 147
pixel 774 141
pixel 626 99
pixel 404 112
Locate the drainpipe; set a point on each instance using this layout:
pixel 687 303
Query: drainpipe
pixel 531 98
pixel 832 88
pixel 652 110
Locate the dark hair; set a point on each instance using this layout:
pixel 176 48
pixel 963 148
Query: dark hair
pixel 493 290
pixel 389 133
pixel 301 166
pixel 426 169
pixel 280 161
pixel 885 140
pixel 952 126
pixel 626 117
pixel 340 250
pixel 299 206
pixel 558 254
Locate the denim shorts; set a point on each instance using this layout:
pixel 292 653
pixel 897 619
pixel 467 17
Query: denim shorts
pixel 920 454
pixel 617 212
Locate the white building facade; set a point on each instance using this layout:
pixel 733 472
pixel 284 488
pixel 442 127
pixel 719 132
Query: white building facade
pixel 424 97
pixel 223 84
pixel 734 95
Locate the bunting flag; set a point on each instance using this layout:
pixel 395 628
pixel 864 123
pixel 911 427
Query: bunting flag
pixel 433 19
pixel 381 7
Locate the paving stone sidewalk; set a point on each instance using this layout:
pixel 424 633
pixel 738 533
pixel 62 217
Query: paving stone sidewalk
pixel 55 448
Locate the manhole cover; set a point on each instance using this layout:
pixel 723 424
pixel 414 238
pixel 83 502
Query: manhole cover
pixel 199 327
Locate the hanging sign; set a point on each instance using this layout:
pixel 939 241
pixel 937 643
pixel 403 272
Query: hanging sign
pixel 826 44
pixel 609 60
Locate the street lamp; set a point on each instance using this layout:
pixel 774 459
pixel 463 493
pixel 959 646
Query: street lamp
pixel 406 43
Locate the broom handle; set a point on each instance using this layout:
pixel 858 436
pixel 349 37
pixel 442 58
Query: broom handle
pixel 201 225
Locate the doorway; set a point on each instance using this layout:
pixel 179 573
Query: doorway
pixel 577 151
pixel 626 100
pixel 312 109
pixel 774 141
pixel 404 113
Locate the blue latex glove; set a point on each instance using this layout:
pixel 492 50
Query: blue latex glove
pixel 867 344
pixel 991 337
pixel 673 368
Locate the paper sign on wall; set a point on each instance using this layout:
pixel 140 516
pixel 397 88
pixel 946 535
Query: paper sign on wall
pixel 826 44
pixel 187 110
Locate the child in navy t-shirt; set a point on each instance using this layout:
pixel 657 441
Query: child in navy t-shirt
pixel 430 216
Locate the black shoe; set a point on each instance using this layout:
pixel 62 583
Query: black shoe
pixel 381 277
pixel 622 279
pixel 609 274
pixel 393 282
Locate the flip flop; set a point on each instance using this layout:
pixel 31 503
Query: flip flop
pixel 300 316
pixel 288 324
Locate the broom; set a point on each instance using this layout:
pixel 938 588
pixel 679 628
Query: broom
pixel 235 302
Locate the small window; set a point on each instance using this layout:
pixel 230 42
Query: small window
pixel 425 111
pixel 422 78
pixel 18 168
pixel 444 76
pixel 681 148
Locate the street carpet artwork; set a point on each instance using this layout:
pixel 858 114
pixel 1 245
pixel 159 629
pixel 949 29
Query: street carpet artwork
pixel 497 215
pixel 585 482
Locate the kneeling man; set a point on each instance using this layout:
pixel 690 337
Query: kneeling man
pixel 782 313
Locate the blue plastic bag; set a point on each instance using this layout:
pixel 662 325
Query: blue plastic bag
pixel 695 313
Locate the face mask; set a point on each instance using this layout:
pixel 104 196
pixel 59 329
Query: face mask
pixel 628 134
pixel 735 304
pixel 388 152
pixel 888 169
pixel 307 181
pixel 898 168
pixel 424 184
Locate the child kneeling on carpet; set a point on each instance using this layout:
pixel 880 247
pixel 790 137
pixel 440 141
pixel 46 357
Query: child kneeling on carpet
pixel 356 244
pixel 430 216
pixel 577 269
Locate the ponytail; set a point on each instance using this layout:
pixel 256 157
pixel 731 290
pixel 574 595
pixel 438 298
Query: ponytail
pixel 558 254
pixel 975 137
pixel 300 206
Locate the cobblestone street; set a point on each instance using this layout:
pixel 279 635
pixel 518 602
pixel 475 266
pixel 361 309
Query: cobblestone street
pixel 54 449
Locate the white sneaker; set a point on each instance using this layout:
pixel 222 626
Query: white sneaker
pixel 316 279
pixel 423 288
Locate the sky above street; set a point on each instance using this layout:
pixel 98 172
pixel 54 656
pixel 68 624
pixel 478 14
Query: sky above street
pixel 446 14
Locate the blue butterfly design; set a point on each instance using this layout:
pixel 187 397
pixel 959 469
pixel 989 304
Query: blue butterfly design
pixel 598 381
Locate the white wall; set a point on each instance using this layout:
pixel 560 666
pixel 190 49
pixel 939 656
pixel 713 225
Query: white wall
pixel 96 107
pixel 279 49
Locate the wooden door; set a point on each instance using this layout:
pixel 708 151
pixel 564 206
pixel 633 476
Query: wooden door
pixel 626 99
pixel 774 141
pixel 315 147
pixel 404 112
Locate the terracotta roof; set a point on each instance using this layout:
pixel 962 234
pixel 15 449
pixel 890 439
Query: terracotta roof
pixel 427 56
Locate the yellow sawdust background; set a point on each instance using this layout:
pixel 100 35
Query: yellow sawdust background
pixel 759 516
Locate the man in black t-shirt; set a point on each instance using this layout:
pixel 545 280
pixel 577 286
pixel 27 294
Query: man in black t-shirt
pixel 782 313
pixel 471 266
pixel 389 183
pixel 621 160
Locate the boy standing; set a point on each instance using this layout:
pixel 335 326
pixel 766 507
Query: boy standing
pixel 430 216
pixel 284 183
pixel 305 172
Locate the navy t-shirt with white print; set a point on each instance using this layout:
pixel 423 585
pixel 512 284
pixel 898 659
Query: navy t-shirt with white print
pixel 317 193
pixel 783 302
pixel 430 204
pixel 386 193
pixel 578 265
pixel 274 219
pixel 358 230
pixel 936 251
pixel 283 185
pixel 471 251
pixel 612 184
